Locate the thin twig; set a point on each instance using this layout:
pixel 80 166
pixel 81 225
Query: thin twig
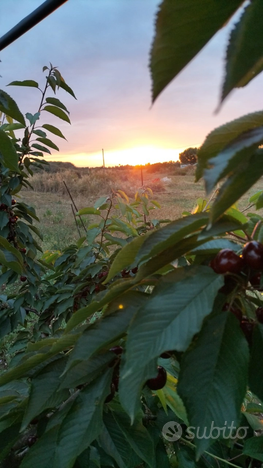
pixel 255 228
pixel 237 236
pixel 74 204
pixel 211 198
pixel 75 219
pixel 104 226
pixel 247 207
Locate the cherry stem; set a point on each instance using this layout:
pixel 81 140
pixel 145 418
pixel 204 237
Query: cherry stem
pixel 255 228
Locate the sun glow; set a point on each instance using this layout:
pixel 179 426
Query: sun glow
pixel 132 156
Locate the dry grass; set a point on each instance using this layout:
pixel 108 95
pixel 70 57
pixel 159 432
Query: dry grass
pixel 95 183
pixel 53 204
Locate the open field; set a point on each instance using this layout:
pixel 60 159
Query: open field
pixel 53 204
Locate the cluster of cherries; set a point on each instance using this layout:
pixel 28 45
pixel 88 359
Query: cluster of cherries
pixel 250 264
pixel 155 383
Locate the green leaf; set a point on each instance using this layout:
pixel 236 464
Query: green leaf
pixel 40 133
pixel 237 184
pixel 215 366
pixel 85 371
pixel 32 118
pixel 41 148
pixel 164 258
pixel 162 456
pixel 21 369
pixel 245 49
pixel 30 83
pixel 175 402
pixel 115 240
pixel 4 218
pixel 137 437
pixel 186 458
pixel 8 152
pixel 222 136
pixel 8 247
pixel 12 126
pixel 43 393
pixel 171 234
pixel 114 444
pixel 236 214
pixel 52 82
pixel 66 88
pixel 9 107
pixel 53 130
pixel 43 452
pixel 88 210
pixel 48 142
pixel 169 319
pixel 125 257
pixel 101 201
pixel 126 227
pixel 255 369
pixel 58 112
pixel 83 423
pixel 228 160
pixel 259 203
pixel 108 329
pixel 213 246
pixel 254 448
pixel 254 421
pixel 56 102
pixel 8 439
pixel 254 198
pixel 182 29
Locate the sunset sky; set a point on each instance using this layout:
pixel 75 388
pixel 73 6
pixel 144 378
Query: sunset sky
pixel 102 49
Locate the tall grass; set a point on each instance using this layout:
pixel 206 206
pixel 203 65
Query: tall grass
pixel 95 183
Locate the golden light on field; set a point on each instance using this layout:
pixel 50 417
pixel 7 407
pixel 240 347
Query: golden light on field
pixel 132 156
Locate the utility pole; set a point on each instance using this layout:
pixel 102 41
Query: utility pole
pixel 103 159
pixel 141 177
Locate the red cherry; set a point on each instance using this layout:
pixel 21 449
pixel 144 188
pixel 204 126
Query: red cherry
pixel 213 265
pixel 158 382
pixel 23 250
pixel 102 274
pixel 125 273
pixel 259 314
pixel 253 255
pixel 227 261
pixel 31 441
pixel 13 219
pixel 23 278
pixel 134 270
pixel 13 201
pixel 117 349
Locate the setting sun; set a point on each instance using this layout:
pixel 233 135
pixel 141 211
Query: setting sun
pixel 131 156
